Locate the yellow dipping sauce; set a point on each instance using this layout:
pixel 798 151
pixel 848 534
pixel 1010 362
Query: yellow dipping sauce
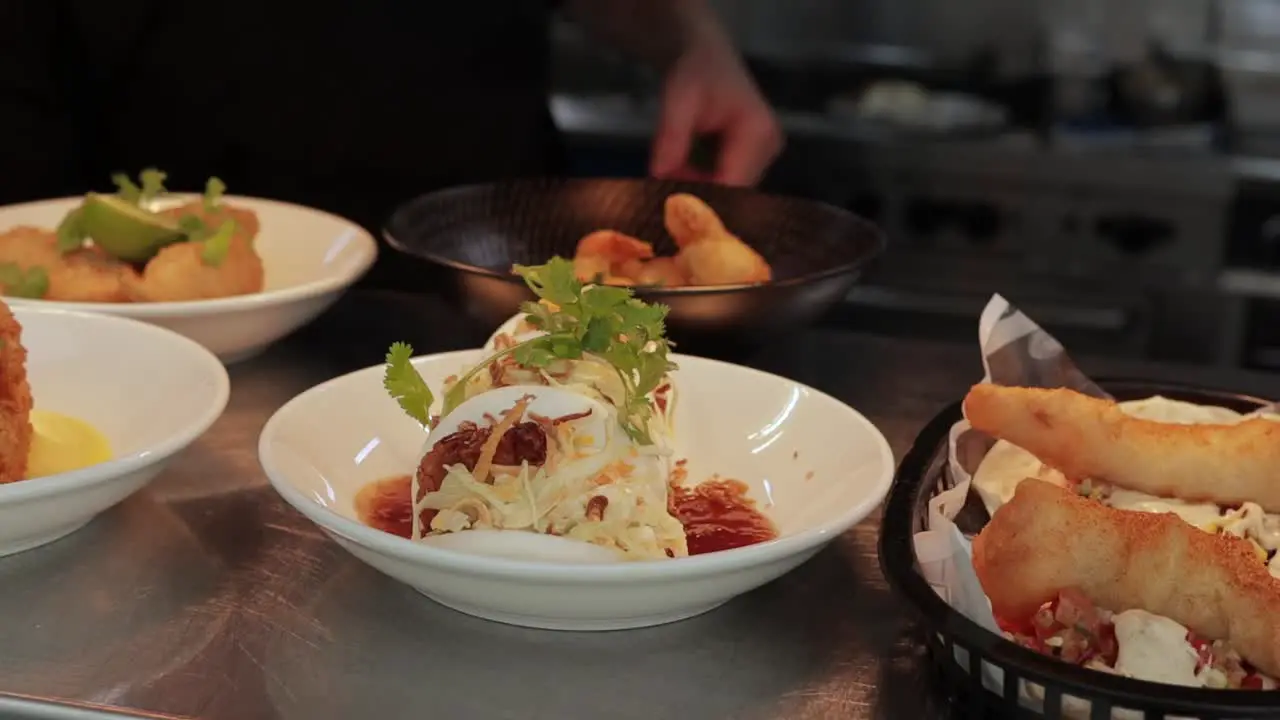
pixel 61 443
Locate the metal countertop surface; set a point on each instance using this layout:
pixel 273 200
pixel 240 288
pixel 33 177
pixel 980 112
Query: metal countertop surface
pixel 206 596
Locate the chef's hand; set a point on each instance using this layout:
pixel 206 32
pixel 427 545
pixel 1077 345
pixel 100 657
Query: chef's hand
pixel 708 91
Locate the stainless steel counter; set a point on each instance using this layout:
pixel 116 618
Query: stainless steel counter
pixel 206 596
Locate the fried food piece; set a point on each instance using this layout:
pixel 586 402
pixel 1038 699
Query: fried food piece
pixel 178 272
pixel 661 271
pixel 246 221
pixel 1091 438
pixel 88 275
pixel 613 246
pixel 1048 539
pixel 589 268
pixel 690 220
pixel 722 260
pixel 15 400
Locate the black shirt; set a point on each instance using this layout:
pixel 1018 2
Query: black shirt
pixel 352 106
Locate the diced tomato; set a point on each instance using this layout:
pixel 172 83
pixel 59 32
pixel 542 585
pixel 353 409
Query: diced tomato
pixel 1203 648
pixel 1252 681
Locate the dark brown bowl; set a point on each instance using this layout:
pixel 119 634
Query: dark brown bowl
pixel 476 233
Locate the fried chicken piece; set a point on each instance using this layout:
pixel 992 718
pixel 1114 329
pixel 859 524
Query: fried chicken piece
pixel 1091 438
pixel 690 220
pixel 15 400
pixel 246 220
pixel 87 275
pixel 1048 539
pixel 178 272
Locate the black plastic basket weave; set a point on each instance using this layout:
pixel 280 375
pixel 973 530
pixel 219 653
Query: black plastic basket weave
pixel 922 475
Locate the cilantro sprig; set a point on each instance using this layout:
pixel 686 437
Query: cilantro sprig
pixel 30 283
pixel 216 246
pixel 405 385
pixel 582 320
pixel 150 185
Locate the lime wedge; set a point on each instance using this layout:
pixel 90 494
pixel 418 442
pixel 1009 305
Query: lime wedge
pixel 126 231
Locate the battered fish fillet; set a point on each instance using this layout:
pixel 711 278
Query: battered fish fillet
pixel 15 400
pixel 179 273
pixel 87 275
pixel 1091 438
pixel 1048 539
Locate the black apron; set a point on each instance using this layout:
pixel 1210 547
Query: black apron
pixel 352 106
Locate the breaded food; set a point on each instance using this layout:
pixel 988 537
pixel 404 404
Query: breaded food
pixel 87 275
pixel 1048 539
pixel 246 221
pixel 15 400
pixel 1091 438
pixel 178 272
pixel 722 260
pixel 689 220
pixel 662 271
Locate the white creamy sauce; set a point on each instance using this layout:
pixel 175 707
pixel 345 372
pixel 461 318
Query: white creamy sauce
pixel 1198 514
pixel 1154 648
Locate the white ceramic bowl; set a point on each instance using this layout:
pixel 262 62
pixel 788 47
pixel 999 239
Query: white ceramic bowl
pixel 152 392
pixel 814 465
pixel 310 257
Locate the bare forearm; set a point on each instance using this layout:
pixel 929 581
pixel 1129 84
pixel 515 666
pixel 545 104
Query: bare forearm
pixel 654 31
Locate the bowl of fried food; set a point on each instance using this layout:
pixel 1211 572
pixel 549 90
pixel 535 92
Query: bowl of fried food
pixel 735 266
pixel 233 273
pixel 92 407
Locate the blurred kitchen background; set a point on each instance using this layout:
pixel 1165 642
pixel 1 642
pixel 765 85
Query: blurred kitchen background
pixel 1111 166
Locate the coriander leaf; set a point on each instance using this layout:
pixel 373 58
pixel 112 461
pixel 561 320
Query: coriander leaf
pixel 36 284
pixel 193 227
pixel 125 188
pixel 555 281
pixel 607 322
pixel 217 245
pixel 213 192
pixel 534 356
pixel 152 181
pixel 30 283
pixel 402 381
pixel 71 233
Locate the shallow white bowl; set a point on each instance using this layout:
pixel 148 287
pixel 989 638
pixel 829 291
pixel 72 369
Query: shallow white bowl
pixel 814 465
pixel 310 257
pixel 152 392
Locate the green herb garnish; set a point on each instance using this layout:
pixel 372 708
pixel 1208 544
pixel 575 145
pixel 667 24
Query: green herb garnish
pixel 217 245
pixel 150 186
pixel 604 322
pixel 405 385
pixel 30 283
pixel 213 192
pixel 71 233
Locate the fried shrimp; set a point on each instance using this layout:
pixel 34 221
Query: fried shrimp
pixel 15 400
pixel 689 220
pixel 179 272
pixel 85 275
pixel 1091 438
pixel 1048 539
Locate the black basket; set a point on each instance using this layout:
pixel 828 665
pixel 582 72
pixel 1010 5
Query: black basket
pixel 922 475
